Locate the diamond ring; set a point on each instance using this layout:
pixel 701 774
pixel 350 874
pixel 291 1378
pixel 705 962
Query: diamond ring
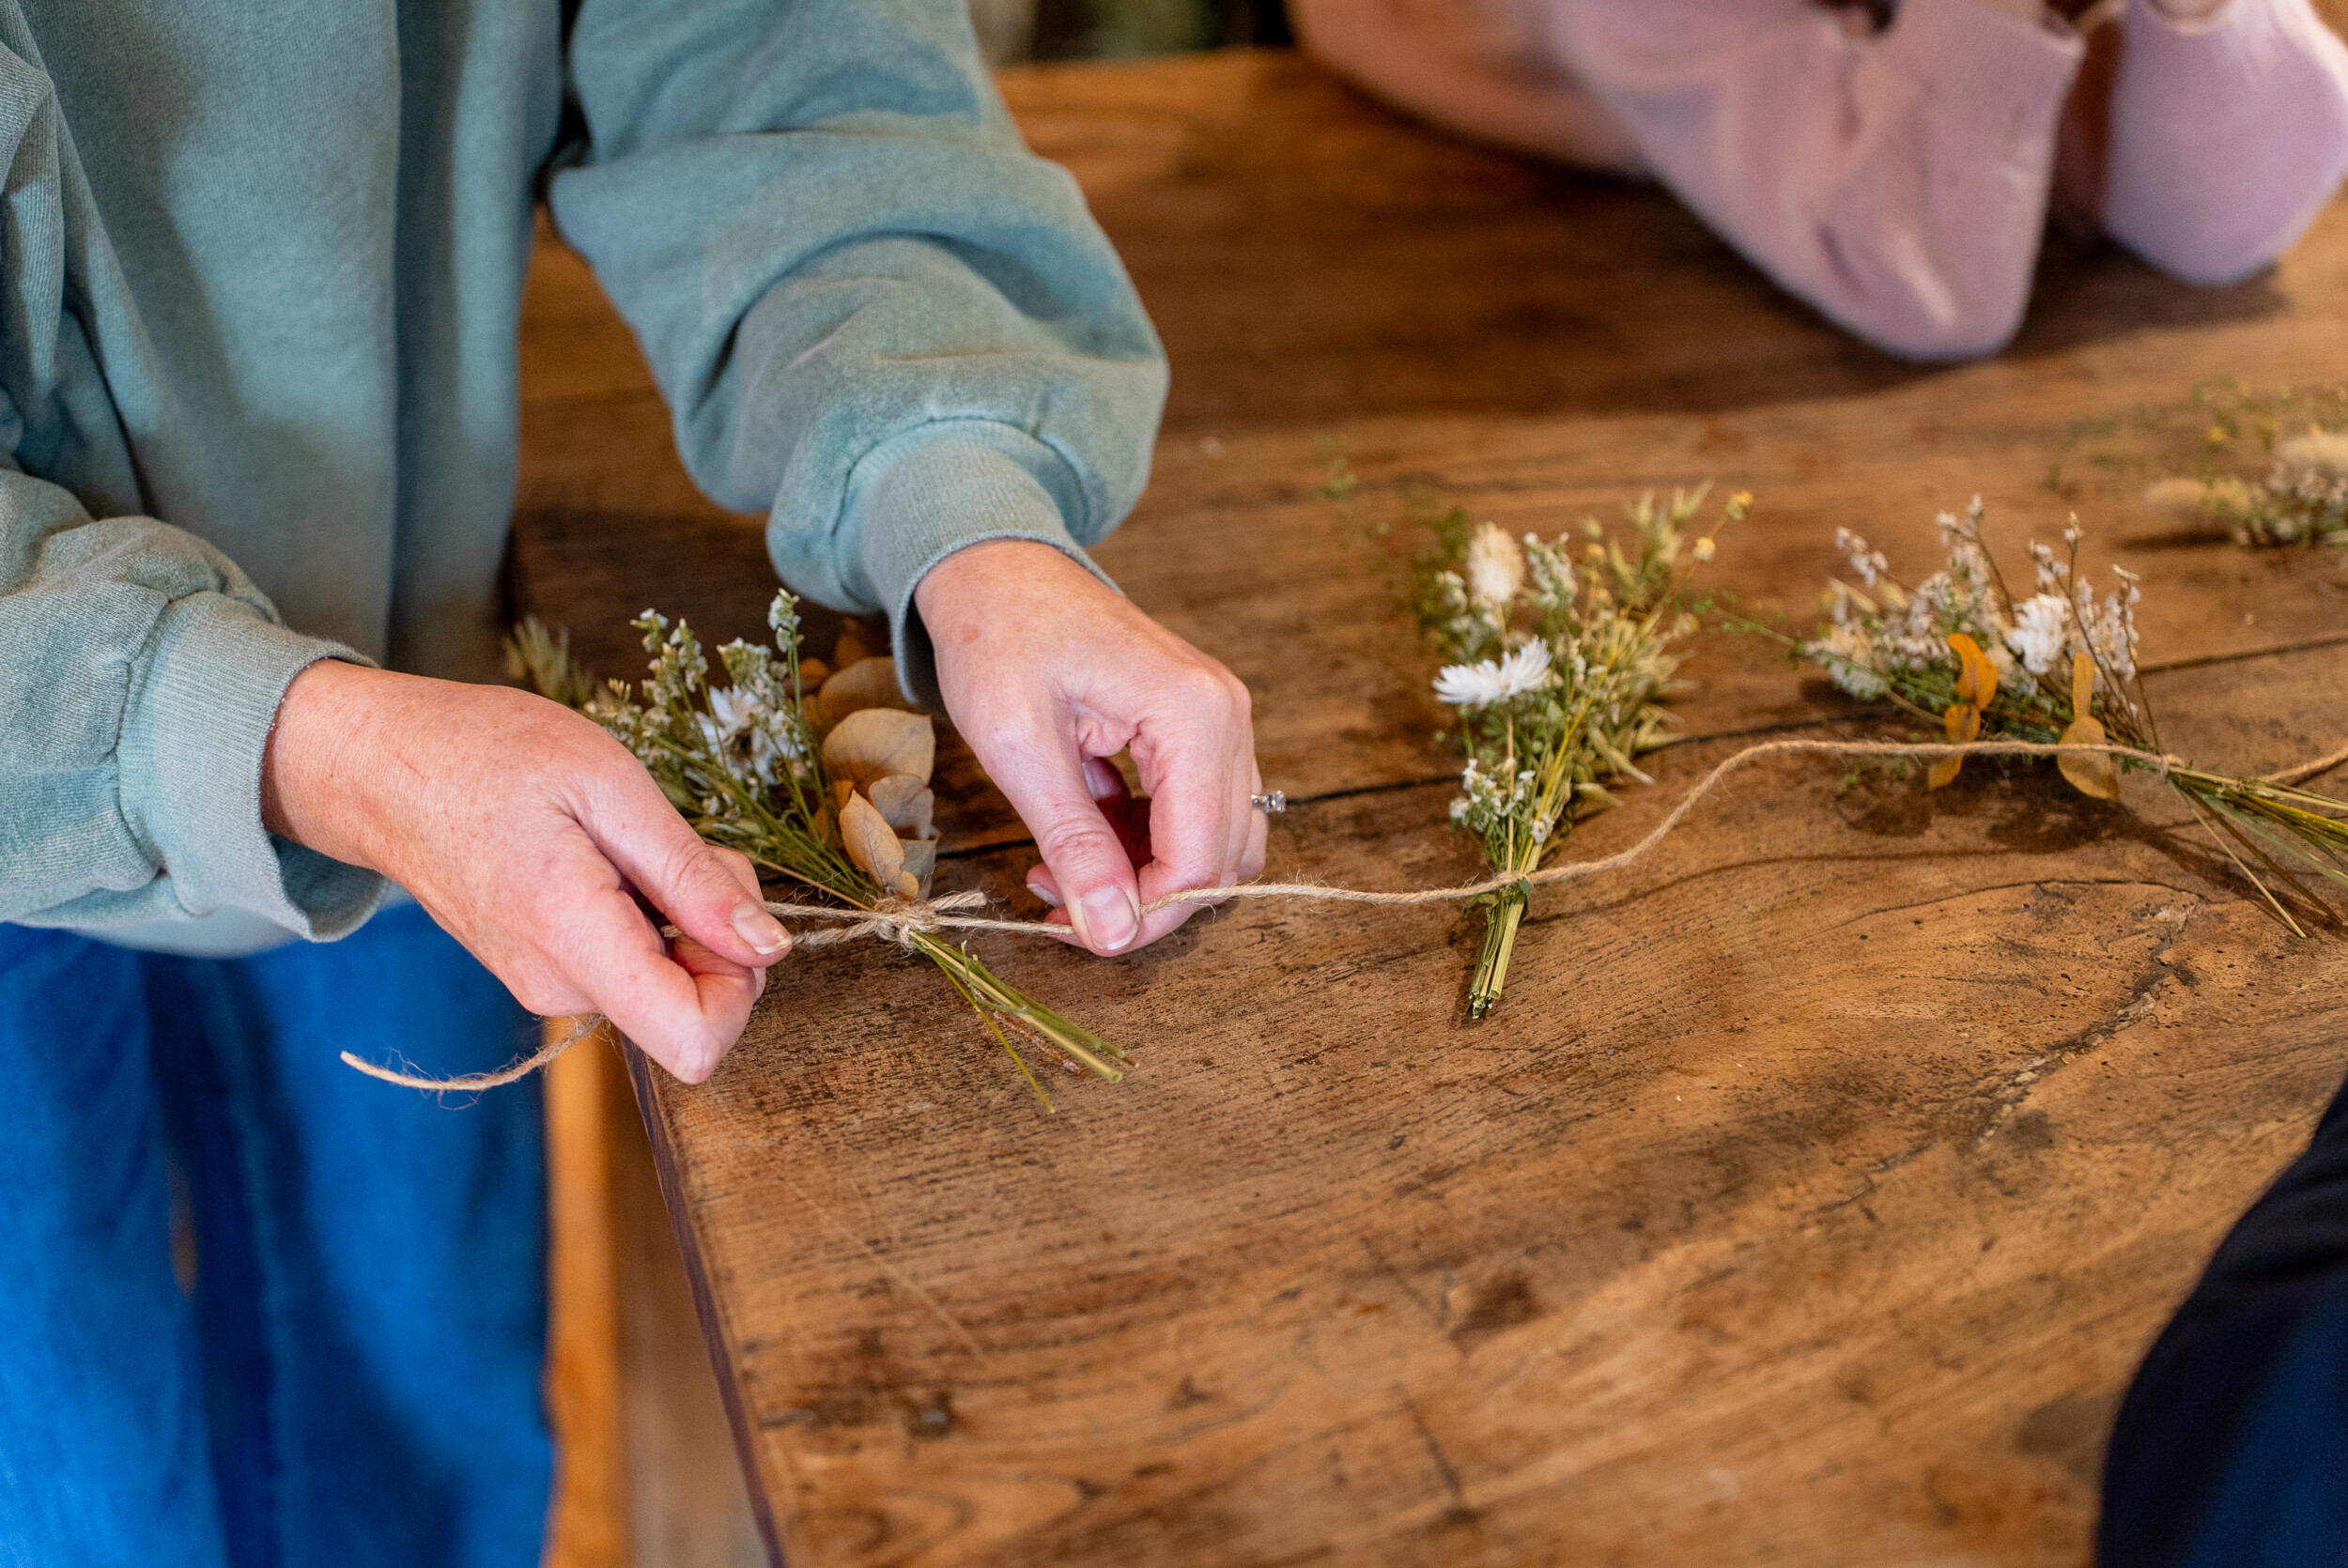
pixel 1270 805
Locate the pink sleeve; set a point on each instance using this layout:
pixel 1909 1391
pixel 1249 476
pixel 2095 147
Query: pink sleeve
pixel 2228 135
pixel 1897 182
pixel 1481 68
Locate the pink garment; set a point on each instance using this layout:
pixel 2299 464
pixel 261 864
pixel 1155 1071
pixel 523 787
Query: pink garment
pixel 1897 181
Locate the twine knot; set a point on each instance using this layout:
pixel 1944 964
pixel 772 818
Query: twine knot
pixel 892 918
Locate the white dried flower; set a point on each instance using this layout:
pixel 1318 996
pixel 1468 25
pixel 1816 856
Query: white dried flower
pixel 734 709
pixel 2041 624
pixel 1495 567
pixel 1849 656
pixel 1479 686
pixel 1957 530
pixel 1866 562
pixel 2325 450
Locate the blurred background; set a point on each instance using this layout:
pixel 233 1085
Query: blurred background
pixel 1015 30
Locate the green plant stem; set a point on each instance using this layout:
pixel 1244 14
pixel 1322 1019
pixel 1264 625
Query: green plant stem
pixel 1500 918
pixel 994 999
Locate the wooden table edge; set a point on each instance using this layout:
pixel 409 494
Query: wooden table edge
pixel 714 1338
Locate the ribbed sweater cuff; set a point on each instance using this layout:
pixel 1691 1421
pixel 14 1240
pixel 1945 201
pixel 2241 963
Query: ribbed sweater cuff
pixel 923 495
pixel 189 758
pixel 2010 75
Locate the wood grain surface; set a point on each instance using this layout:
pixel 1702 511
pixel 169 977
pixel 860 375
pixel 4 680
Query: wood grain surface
pixel 1812 1192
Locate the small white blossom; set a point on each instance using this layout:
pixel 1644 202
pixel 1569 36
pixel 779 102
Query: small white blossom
pixel 1866 562
pixel 2003 661
pixel 2042 624
pixel 2318 450
pixel 1495 567
pixel 733 709
pixel 1850 656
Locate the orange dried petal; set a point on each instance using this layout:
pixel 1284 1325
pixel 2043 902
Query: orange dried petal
pixel 2090 775
pixel 1977 678
pixel 1962 723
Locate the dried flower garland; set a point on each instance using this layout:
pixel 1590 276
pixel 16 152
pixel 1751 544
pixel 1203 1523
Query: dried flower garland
pixel 1560 668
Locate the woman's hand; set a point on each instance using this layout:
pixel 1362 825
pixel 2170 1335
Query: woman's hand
pixel 528 834
pixel 1047 671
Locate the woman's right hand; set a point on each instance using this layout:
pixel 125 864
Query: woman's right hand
pixel 528 833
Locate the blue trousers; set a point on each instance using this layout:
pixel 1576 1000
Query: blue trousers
pixel 351 1377
pixel 2231 1450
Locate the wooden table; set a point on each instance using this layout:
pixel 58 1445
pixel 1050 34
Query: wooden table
pixel 1813 1191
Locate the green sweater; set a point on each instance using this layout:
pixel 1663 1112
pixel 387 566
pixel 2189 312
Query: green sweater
pixel 260 279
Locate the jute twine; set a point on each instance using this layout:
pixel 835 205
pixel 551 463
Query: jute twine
pixel 900 920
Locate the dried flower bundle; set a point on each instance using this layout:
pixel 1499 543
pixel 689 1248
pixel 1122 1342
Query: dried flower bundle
pixel 827 787
pixel 2267 466
pixel 2303 499
pixel 1961 652
pixel 1559 662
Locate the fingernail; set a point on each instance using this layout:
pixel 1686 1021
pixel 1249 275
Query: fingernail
pixel 1110 919
pixel 1042 892
pixel 762 931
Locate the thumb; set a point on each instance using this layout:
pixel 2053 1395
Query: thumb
pixel 691 882
pixel 1094 877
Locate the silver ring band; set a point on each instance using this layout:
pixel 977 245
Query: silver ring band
pixel 1270 805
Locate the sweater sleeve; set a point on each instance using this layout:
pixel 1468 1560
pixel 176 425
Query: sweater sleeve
pixel 1896 182
pixel 874 314
pixel 140 671
pixel 2228 135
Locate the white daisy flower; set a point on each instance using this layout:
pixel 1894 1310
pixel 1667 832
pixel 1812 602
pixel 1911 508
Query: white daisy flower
pixel 1481 685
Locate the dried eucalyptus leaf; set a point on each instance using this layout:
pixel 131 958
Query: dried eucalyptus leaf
pixel 849 649
pixel 907 803
pixel 866 683
pixel 877 742
pixel 813 673
pixel 870 842
pixel 920 863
